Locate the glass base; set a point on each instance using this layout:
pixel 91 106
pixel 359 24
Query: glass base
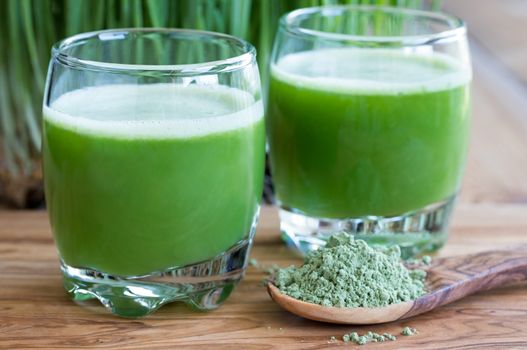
pixel 416 232
pixel 203 286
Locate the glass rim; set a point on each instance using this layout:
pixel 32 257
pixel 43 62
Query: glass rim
pixel 236 62
pixel 457 26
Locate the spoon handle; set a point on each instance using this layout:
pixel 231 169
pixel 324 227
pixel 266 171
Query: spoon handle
pixel 454 278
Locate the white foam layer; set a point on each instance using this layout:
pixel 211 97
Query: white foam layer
pixel 154 110
pixel 371 71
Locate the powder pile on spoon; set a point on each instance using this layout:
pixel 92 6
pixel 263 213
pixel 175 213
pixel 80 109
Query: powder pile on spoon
pixel 349 273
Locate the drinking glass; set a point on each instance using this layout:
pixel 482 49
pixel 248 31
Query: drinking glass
pixel 153 151
pixel 368 124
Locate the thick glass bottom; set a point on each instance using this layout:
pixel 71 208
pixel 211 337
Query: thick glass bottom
pixel 417 232
pixel 203 286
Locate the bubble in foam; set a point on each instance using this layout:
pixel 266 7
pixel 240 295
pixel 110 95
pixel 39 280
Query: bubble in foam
pixel 367 71
pixel 154 110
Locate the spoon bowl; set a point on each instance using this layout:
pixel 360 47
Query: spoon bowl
pixel 448 280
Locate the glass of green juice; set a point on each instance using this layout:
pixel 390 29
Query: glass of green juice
pixel 368 124
pixel 154 147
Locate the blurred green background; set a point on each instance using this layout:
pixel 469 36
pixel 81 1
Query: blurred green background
pixel 28 28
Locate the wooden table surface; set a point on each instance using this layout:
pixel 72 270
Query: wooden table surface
pixel 36 312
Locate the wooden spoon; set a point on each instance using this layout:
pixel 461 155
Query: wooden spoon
pixel 448 280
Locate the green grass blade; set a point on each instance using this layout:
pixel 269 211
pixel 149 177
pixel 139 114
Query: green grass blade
pixel 27 22
pixel 74 16
pixel 137 13
pixel 156 11
pixel 6 127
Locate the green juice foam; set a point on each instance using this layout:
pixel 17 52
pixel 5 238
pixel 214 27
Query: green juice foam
pixel 363 71
pixel 143 178
pixel 154 110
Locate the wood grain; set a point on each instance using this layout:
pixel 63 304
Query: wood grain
pixel 453 278
pixel 35 312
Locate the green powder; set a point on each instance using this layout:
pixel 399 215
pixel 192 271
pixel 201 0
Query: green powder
pixel 425 260
pixel 408 331
pixel 349 273
pixel 372 337
pixel 367 338
pixel 390 336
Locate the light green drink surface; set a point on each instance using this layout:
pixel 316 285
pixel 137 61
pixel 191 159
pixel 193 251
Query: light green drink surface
pixel 357 132
pixel 142 178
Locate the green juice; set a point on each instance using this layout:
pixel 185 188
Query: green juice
pixel 144 178
pixel 358 132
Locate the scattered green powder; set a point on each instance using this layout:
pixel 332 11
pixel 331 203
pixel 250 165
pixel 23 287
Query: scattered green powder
pixel 267 269
pixel 367 338
pixel 354 336
pixel 407 331
pixel 349 273
pixel 425 260
pixel 271 270
pixel 390 336
pixel 378 338
pixel 263 282
pixel 362 340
